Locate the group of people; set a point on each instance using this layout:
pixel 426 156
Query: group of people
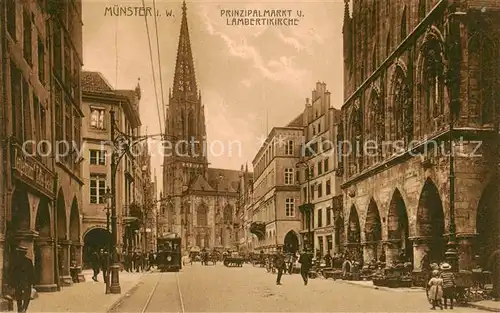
pixel 305 260
pixel 138 261
pixel 442 286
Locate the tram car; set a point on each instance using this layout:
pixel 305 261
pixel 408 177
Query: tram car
pixel 169 257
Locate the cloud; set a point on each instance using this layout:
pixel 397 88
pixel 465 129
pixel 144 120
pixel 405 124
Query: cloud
pixel 280 70
pixel 301 40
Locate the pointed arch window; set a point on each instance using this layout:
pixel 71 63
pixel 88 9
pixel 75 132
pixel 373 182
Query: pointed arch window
pixel 432 85
pixel 190 125
pixel 388 45
pixel 402 111
pixel 482 79
pixel 202 216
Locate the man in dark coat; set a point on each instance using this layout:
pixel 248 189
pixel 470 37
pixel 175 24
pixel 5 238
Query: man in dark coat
pixel 96 264
pixel 305 261
pixel 23 278
pixel 105 263
pixel 279 264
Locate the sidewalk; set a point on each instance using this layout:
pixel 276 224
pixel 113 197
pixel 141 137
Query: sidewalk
pixel 369 284
pixel 88 296
pixel 488 305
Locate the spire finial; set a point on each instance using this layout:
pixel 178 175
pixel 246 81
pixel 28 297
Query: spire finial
pixel 184 7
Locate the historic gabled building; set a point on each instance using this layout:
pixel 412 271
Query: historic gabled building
pixel 99 100
pixel 244 211
pixel 418 75
pixel 41 60
pixel 201 200
pixel 319 179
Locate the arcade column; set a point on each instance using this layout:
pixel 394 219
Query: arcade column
pixel 392 251
pixel 25 238
pixel 45 255
pixel 77 249
pixel 64 255
pixel 420 248
pixel 369 251
pixel 465 251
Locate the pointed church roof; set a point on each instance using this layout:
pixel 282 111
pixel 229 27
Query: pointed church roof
pixel 200 184
pixel 184 77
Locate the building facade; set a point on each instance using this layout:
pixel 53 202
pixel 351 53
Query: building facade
pixel 244 211
pixel 99 100
pixel 200 201
pixel 41 47
pixel 420 75
pixel 276 219
pixel 319 179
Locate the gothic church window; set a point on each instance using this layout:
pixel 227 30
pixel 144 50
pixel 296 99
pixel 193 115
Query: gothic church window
pixel 202 216
pixel 402 106
pixel 432 78
pixel 228 214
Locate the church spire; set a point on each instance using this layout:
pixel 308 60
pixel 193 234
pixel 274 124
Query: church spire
pixel 184 77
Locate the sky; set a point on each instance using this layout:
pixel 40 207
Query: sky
pixel 251 78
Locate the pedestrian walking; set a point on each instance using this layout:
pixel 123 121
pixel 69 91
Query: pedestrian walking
pixel 96 264
pixel 448 285
pixel 436 290
pixel 279 263
pixel 105 263
pixel 305 261
pixel 23 278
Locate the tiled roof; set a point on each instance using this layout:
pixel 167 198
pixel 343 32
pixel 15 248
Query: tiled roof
pixel 230 179
pixel 200 184
pixel 95 82
pixel 297 122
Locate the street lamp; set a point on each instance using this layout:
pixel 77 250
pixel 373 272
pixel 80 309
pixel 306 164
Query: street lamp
pixel 107 196
pixel 122 145
pixel 453 81
pixel 307 208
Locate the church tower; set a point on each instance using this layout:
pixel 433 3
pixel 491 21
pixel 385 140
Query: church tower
pixel 185 132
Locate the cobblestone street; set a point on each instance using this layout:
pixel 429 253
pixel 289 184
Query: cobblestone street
pixel 250 289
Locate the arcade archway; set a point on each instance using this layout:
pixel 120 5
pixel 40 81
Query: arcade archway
pixel 354 236
pixel 74 233
pixel 373 233
pixel 398 229
pixel 487 224
pixel 21 213
pixel 430 221
pixel 291 242
pixel 43 246
pixel 94 240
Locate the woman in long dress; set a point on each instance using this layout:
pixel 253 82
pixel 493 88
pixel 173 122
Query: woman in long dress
pixel 436 290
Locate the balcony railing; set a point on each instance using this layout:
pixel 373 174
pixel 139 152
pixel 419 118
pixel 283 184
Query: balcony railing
pixel 32 171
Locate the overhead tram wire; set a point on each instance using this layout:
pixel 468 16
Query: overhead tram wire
pixel 159 62
pixel 153 69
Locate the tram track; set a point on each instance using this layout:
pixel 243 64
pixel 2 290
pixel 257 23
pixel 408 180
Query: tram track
pixel 157 294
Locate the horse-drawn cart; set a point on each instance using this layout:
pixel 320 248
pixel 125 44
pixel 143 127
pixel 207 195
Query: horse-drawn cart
pixel 233 260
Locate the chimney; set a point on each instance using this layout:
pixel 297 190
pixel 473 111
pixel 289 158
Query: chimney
pixel 307 102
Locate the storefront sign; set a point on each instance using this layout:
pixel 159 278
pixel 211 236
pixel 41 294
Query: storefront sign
pixel 32 171
pixel 324 231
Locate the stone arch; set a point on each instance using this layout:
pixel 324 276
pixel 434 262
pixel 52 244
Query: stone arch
pixel 430 223
pixel 398 228
pixel 292 242
pixel 43 246
pixel 487 223
pixel 21 211
pixel 372 232
pixel 354 235
pixel 62 226
pixel 339 229
pixel 74 222
pixel 94 239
